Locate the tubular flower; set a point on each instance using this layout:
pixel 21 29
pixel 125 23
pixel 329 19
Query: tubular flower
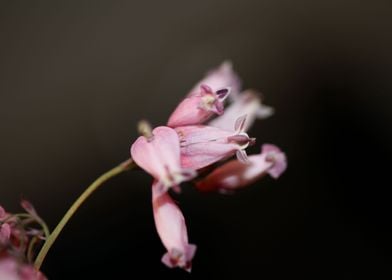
pixel 204 145
pixel 173 153
pixel 159 155
pixel 249 103
pixel 220 77
pixel 199 107
pixel 170 224
pixel 234 175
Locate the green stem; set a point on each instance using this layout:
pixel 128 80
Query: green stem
pixel 30 249
pixel 127 165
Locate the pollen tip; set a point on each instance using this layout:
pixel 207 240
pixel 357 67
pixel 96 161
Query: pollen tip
pixel 144 128
pixel 252 141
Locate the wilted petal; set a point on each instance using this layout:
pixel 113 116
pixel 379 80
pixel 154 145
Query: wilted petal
pixel 160 156
pixel 5 228
pixel 248 103
pixel 234 175
pixel 278 159
pixel 170 225
pixel 205 145
pixel 2 212
pixel 5 233
pixel 198 108
pixel 29 208
pixel 220 77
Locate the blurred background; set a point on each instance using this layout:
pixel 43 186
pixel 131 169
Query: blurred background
pixel 77 76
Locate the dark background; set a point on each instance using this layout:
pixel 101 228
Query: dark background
pixel 75 77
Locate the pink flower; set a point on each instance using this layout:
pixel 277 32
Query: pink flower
pixel 248 103
pixel 5 232
pixel 234 175
pixel 220 77
pixel 204 145
pixel 5 228
pixel 2 212
pixel 16 231
pixel 199 107
pixel 172 153
pixel 171 228
pixel 11 269
pixel 160 157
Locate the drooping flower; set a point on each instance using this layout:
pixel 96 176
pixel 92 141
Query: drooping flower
pixel 234 175
pixel 170 225
pixel 204 145
pixel 172 159
pixel 12 269
pixel 220 77
pixel 21 232
pixel 159 155
pixel 199 107
pixel 249 103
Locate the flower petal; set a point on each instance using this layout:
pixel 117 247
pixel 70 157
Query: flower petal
pixel 160 156
pixel 277 157
pixel 247 103
pixel 2 212
pixel 222 76
pixel 170 225
pixel 198 108
pixel 204 145
pixel 234 174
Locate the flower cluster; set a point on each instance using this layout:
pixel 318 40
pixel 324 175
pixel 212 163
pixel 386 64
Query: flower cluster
pixel 191 142
pixel 19 234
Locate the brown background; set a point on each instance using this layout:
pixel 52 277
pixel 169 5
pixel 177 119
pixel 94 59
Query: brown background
pixel 75 77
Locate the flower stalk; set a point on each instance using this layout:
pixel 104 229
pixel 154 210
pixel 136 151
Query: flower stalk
pixel 124 166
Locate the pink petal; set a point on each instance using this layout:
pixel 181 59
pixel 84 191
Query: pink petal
pixel 196 134
pixel 198 108
pixel 234 174
pixel 240 123
pixel 170 225
pixel 222 76
pixel 277 157
pixel 160 156
pixel 11 269
pixel 189 112
pixel 169 221
pixel 200 155
pixel 247 103
pixel 2 212
pixel 147 152
pixel 29 208
pixel 8 269
pixel 5 233
pixel 204 145
pixel 242 157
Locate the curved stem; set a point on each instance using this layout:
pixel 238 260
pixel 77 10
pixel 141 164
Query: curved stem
pixel 44 226
pixel 30 249
pixel 33 219
pixel 127 165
